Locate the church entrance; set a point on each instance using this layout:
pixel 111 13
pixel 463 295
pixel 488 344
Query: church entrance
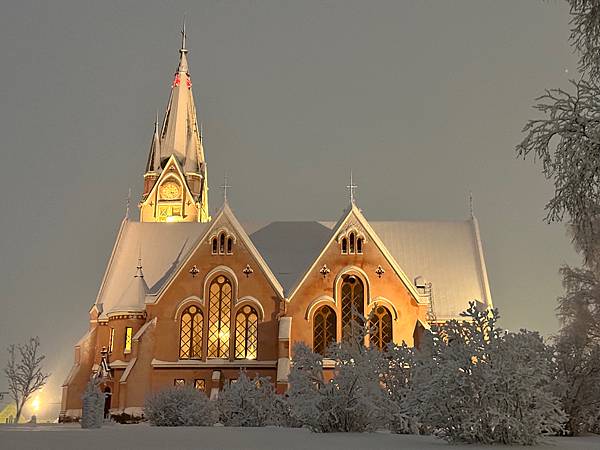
pixel 107 400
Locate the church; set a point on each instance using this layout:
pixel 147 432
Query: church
pixel 189 300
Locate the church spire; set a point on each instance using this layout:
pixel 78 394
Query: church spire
pixel 176 160
pixel 153 163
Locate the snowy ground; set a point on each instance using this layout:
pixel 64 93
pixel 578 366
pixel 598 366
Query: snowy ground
pixel 144 437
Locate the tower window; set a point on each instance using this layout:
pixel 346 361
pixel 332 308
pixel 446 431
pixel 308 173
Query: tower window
pixel 111 340
pixel 128 336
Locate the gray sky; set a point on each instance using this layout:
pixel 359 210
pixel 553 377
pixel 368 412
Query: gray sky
pixel 424 100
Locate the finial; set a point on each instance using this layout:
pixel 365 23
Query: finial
pixel 351 188
pixel 471 209
pixel 183 37
pixel 225 186
pixel 128 203
pixel 138 272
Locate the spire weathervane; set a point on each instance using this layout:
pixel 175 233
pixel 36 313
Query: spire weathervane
pixel 225 186
pixel 183 37
pixel 351 188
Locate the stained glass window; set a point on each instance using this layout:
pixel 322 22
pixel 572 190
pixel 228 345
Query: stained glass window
pixel 219 317
pixel 353 301
pixel 324 329
pixel 381 328
pixel 128 336
pixel 200 384
pixel 190 334
pixel 246 333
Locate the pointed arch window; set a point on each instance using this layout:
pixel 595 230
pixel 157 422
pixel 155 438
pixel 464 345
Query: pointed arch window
pixel 190 334
pixel 351 239
pixel 215 246
pixel 246 333
pixel 353 309
pixel 359 245
pixel 344 246
pixel 229 245
pixel 222 243
pixel 324 329
pixel 219 317
pixel 380 326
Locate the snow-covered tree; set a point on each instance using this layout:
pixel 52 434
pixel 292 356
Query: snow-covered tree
pixel 567 142
pixel 250 403
pixel 483 385
pixel 180 406
pixel 92 412
pixel 353 400
pixel 24 372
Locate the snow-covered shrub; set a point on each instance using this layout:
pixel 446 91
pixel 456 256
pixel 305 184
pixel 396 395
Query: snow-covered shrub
pixel 483 385
pixel 353 400
pixel 398 380
pixel 180 406
pixel 250 403
pixel 92 408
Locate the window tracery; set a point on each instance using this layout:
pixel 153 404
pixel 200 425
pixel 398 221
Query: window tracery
pixel 324 329
pixel 353 301
pixel 219 317
pixel 351 241
pixel 246 333
pixel 381 333
pixel 190 334
pixel 222 242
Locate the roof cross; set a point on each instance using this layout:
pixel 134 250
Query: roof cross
pixel 352 188
pixel 225 186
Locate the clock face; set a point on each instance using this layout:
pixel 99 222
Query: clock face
pixel 170 191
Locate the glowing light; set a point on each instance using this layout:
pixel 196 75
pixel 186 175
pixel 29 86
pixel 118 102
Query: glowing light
pixel 35 404
pixel 223 336
pixel 173 219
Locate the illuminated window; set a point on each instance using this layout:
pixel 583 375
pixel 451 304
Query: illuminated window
pixel 214 246
pixel 179 382
pixel 128 335
pixel 381 328
pixel 359 245
pixel 190 335
pixel 219 317
pixel 353 293
pixel 246 333
pixel 324 329
pixel 200 384
pixel 344 246
pixel 111 340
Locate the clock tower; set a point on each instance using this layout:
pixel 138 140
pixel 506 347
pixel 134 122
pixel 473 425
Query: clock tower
pixel 175 181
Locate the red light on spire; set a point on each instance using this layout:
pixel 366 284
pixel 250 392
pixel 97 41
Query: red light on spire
pixel 177 80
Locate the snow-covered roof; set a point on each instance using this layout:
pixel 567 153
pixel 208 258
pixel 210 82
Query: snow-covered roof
pixel 163 247
pixel 447 253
